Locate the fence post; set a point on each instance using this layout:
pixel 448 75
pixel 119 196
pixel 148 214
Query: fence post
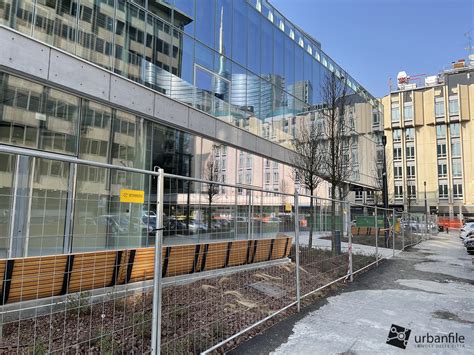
pixel 236 205
pixel 349 237
pixel 157 285
pixel 321 217
pixel 402 230
pixel 297 250
pixel 249 221
pixel 376 238
pixel 393 231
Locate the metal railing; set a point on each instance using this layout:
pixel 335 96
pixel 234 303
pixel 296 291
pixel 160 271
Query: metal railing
pixel 220 247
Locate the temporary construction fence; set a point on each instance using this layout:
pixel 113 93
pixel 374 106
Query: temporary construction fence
pixel 228 259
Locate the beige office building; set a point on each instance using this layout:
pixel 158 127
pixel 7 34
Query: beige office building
pixel 430 130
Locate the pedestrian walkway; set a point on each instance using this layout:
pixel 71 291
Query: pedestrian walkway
pixel 428 290
pixel 318 242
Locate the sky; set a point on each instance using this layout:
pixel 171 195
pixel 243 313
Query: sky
pixel 375 39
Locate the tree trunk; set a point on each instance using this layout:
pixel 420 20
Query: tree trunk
pixel 209 217
pixel 311 219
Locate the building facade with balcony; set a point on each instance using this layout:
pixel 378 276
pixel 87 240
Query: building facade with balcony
pixel 151 83
pixel 429 131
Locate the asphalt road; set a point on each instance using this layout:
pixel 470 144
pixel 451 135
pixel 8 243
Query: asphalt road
pixel 428 289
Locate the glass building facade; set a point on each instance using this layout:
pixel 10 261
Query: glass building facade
pixel 239 61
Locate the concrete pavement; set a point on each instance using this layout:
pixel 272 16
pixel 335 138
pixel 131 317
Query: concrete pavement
pixel 428 289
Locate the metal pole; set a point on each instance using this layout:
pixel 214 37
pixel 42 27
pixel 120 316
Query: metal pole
pixel 393 232
pixel 236 202
pixel 349 235
pixel 426 212
pixel 321 216
pixel 376 238
pixel 297 251
pixel 402 230
pixel 249 222
pixel 385 192
pixel 315 214
pixel 157 284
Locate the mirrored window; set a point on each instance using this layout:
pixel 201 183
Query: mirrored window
pixel 37 117
pixel 239 32
pixel 205 21
pixel 184 15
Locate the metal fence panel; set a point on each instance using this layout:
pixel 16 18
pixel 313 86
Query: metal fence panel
pixel 229 259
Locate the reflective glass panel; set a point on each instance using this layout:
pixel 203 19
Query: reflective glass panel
pixel 205 18
pixel 37 117
pixel 239 32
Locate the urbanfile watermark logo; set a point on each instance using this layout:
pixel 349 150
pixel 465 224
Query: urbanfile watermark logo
pixel 398 336
pixel 450 341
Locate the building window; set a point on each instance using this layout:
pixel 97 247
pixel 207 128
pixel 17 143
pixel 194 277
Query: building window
pixel 370 195
pixel 453 106
pixel 375 118
pixel 359 195
pixel 408 111
pixel 224 180
pixel 457 190
pixel 248 178
pixel 456 149
pixel 439 107
pixel 397 172
pixel 441 131
pixel 457 168
pixel 455 129
pixel 395 113
pixel 275 177
pixel 442 170
pixel 267 178
pixel 443 191
pixel 398 191
pixel 397 153
pixel 397 135
pixel 249 161
pixel 411 191
pixel 411 172
pixel 410 134
pixel 410 152
pixel 441 150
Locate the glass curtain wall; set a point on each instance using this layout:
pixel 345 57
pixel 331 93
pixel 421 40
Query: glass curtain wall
pixel 48 192
pixel 240 61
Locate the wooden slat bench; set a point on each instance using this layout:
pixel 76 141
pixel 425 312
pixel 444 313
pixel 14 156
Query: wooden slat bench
pixel 46 276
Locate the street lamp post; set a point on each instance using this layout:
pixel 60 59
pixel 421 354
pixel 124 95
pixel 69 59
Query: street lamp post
pixel 426 209
pixel 385 191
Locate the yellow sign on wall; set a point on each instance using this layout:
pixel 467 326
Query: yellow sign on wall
pixel 287 207
pixel 132 196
